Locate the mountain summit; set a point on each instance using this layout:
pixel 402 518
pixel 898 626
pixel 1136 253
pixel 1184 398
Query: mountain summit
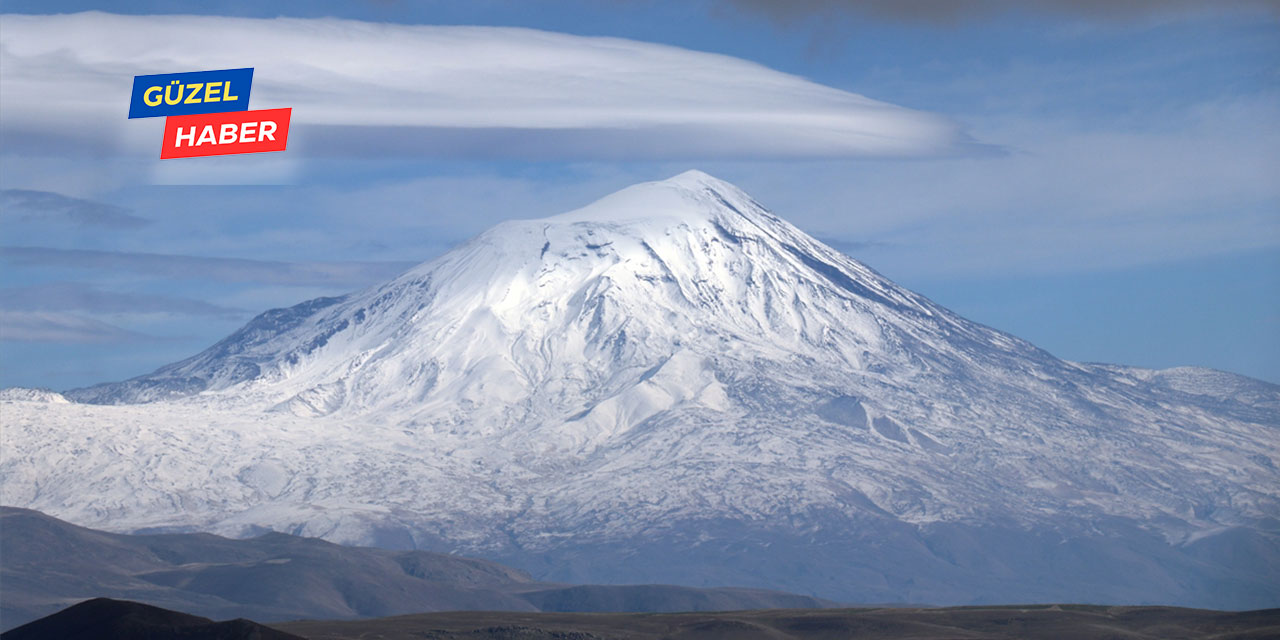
pixel 633 300
pixel 672 384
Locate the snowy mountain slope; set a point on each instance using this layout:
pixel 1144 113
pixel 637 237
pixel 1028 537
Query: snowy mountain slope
pixel 674 368
pixel 21 394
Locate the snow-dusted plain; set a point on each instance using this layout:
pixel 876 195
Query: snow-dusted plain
pixel 674 385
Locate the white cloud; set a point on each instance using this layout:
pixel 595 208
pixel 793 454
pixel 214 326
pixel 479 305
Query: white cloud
pixel 366 88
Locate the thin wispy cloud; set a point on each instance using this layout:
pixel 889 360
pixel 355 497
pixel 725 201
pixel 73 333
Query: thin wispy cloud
pixel 1083 195
pixel 366 88
pixel 76 296
pixel 25 205
pixel 179 267
pixel 945 11
pixel 54 326
pixel 852 247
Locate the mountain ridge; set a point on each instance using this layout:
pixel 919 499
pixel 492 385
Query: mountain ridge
pixel 48 564
pixel 671 381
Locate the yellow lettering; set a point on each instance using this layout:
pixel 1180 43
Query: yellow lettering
pixel 226 92
pixel 194 96
pixel 211 91
pixel 168 99
pixel 146 96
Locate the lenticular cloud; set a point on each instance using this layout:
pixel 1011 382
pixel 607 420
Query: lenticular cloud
pixel 369 88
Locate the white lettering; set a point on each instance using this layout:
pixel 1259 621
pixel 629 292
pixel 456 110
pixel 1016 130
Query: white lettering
pixel 207 134
pixel 190 137
pixel 247 131
pixel 268 131
pixel 228 133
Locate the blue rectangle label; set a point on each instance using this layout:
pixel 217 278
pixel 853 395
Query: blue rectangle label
pixel 178 94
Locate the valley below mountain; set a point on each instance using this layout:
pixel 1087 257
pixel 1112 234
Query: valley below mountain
pixel 47 565
pixel 104 619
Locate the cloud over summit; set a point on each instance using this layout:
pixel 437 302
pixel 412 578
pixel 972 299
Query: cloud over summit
pixel 359 87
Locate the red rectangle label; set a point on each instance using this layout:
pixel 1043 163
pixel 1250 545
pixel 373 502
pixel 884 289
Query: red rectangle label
pixel 220 134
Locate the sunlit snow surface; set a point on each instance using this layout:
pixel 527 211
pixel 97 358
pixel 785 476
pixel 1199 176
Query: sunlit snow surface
pixel 671 353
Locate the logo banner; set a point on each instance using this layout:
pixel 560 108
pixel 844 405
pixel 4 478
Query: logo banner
pixel 175 94
pixel 220 134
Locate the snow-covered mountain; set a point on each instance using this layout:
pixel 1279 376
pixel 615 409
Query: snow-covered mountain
pixel 673 384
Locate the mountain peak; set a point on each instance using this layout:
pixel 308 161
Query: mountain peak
pixel 694 179
pixel 692 196
pixel 675 368
pixel 669 270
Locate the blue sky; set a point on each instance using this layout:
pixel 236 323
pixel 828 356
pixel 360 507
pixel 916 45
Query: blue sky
pixel 1099 181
